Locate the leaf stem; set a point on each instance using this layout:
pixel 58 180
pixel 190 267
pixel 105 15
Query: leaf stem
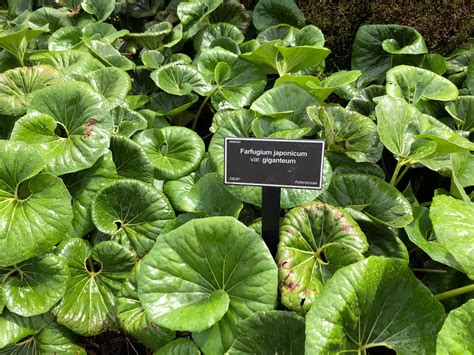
pixel 91 265
pixel 455 292
pixel 435 271
pixel 201 107
pixel 402 174
pixel 396 172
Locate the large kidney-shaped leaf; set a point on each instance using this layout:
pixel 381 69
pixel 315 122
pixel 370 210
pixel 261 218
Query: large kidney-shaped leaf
pixel 165 104
pixel 132 318
pixel 348 132
pixel 153 37
pixel 374 197
pixel 286 101
pixel 207 36
pixel 194 14
pixel 127 121
pixel 316 240
pixel 17 85
pixel 132 213
pixel 180 79
pixel 462 110
pixel 384 305
pixel 68 125
pixel 415 84
pixel 34 286
pixel 130 160
pixel 97 274
pixel 35 208
pixel 107 53
pixel 457 334
pixel 363 102
pixel 238 124
pixel 453 223
pixel 174 151
pixel 210 271
pixel 17 40
pixel 273 12
pixel 377 47
pixel 83 186
pixel 268 332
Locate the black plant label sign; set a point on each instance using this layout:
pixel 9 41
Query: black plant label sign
pixel 274 162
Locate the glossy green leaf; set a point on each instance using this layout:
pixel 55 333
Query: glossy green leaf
pixel 341 163
pixel 273 12
pixel 17 86
pixel 132 318
pixel 415 84
pixel 180 346
pixel 204 39
pixel 51 17
pixel 363 102
pixel 65 38
pixel 374 197
pixel 300 57
pixel 104 31
pixel 348 132
pixel 151 58
pixel 376 47
pixel 232 12
pixel 194 14
pixel 34 286
pixel 180 79
pixel 127 121
pixel 457 335
pixel 36 208
pixel 178 190
pixel 286 101
pixel 130 160
pixel 265 55
pixel 266 126
pixel 15 327
pixel 165 104
pixel 112 83
pixel 97 274
pixel 421 233
pixel 210 271
pixel 153 37
pixel 453 223
pixel 16 40
pixel 384 305
pixel 462 110
pixel 316 240
pixel 287 35
pixel 83 186
pixel 106 53
pixel 101 9
pixel 68 125
pixel 132 213
pixel 174 151
pixel 69 62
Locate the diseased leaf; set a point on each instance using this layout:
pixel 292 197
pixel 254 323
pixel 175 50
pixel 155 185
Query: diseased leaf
pixel 384 305
pixel 316 240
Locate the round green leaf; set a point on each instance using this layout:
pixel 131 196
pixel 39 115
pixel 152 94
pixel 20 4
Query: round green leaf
pixel 132 318
pixel 316 240
pixel 69 62
pixel 101 9
pixel 153 37
pixel 178 190
pixel 107 53
pixel 232 12
pixel 54 18
pixel 415 84
pixel 376 47
pixel 180 346
pixel 348 132
pixel 273 12
pixel 127 121
pixel 299 58
pixel 151 58
pixel 457 335
pixel 67 125
pixel 453 223
pixel 65 38
pixel 271 332
pixel 17 86
pixel 194 14
pixel 341 164
pixel 378 200
pixel 180 79
pixel 97 274
pixel 112 83
pixel 15 327
pixel 132 213
pixel 35 208
pixel 204 271
pixel 34 286
pixel 462 110
pixel 363 102
pixel 130 160
pixel 104 31
pixel 286 101
pixel 83 186
pixel 174 151
pixel 384 305
pixel 165 104
pixel 206 36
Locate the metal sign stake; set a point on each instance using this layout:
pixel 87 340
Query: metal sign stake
pixel 271 217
